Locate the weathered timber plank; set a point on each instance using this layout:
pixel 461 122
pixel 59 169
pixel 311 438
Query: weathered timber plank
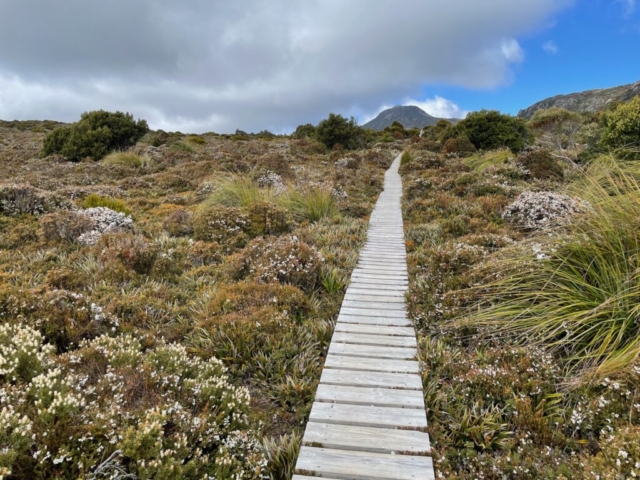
pixel 372 312
pixel 376 330
pixel 368 416
pixel 381 340
pixel 380 397
pixel 366 320
pixel 371 364
pixel 366 439
pixel 372 351
pixel 353 378
pixel 347 465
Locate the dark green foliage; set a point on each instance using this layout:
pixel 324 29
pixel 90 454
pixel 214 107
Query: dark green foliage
pixel 490 129
pixel 541 165
pixel 95 135
pixel 336 129
pixel 304 131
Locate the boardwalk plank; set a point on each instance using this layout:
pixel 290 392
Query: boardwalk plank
pixel 347 465
pixel 366 439
pixel 375 330
pixel 368 416
pixel 379 397
pixel 381 340
pixel 343 362
pixel 352 378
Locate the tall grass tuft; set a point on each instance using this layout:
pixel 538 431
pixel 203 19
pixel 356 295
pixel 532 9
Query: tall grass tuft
pixel 406 158
pixel 240 192
pixel 311 203
pixel 125 158
pixel 481 161
pixel 93 201
pixel 581 297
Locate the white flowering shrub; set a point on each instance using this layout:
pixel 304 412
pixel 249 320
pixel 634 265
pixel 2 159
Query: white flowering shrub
pixel 285 259
pixel 154 413
pixel 228 226
pixel 22 353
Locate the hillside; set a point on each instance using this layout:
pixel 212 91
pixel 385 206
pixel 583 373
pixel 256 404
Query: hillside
pixel 588 101
pixel 409 116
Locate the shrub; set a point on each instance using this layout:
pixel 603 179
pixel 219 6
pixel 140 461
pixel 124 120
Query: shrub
pixel 541 165
pixel 96 134
pixel 94 201
pixel 64 226
pixel 284 259
pixel 336 129
pixel 556 127
pixel 304 131
pixel 133 251
pixel 622 128
pixel 128 159
pixel 229 226
pixel 268 219
pixel 18 199
pixel 197 139
pixel 247 296
pixel 96 414
pixel 179 223
pixel 489 130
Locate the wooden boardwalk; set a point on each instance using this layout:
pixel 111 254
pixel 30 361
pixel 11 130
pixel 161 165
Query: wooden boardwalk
pixel 368 417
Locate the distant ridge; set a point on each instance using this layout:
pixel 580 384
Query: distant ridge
pixel 409 116
pixel 589 101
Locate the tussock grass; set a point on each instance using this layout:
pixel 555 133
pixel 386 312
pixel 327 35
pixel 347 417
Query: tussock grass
pixel 406 158
pixel 582 299
pixel 125 158
pixel 182 146
pixel 481 161
pixel 311 203
pixel 240 192
pixel 93 201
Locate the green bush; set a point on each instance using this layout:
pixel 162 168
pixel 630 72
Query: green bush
pixel 336 130
pixel 95 135
pixel 541 165
pixel 622 128
pixel 93 201
pixel 490 129
pixel 304 131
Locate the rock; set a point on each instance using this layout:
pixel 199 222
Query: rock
pixel 537 210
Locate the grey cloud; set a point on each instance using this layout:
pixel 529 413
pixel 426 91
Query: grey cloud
pixel 219 65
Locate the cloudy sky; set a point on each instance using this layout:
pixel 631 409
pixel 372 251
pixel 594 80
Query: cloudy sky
pixel 218 65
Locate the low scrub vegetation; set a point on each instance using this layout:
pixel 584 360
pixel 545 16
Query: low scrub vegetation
pixel 527 331
pixel 184 340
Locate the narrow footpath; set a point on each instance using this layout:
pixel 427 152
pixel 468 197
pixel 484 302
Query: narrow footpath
pixel 368 416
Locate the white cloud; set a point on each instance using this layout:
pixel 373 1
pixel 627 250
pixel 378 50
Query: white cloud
pixel 216 65
pixel 439 107
pixel 512 50
pixel 550 47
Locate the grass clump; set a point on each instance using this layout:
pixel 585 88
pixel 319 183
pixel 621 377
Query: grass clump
pixel 311 203
pixel 182 146
pixel 125 158
pixel 579 298
pixel 406 158
pixel 93 201
pixel 481 161
pixel 240 192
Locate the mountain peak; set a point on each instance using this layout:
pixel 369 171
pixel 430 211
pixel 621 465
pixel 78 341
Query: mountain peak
pixel 409 116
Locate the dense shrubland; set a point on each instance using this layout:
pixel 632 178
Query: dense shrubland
pixel 165 310
pixel 524 289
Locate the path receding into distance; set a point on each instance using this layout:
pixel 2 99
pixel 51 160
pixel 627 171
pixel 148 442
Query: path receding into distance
pixel 368 416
